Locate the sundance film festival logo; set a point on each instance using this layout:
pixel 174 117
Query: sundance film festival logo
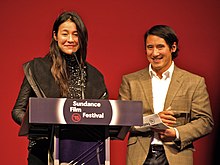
pixel 78 113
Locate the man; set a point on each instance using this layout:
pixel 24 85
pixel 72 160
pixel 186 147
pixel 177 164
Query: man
pixel 179 97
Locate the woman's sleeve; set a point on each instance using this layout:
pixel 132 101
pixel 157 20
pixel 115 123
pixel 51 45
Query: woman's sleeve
pixel 21 103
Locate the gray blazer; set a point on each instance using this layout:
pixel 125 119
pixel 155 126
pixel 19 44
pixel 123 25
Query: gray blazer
pixel 187 94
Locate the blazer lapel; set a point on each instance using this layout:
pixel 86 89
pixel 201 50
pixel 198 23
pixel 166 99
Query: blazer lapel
pixel 145 81
pixel 175 85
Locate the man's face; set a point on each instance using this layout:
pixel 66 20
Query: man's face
pixel 67 37
pixel 159 53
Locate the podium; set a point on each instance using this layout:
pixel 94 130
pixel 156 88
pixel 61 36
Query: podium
pixel 116 115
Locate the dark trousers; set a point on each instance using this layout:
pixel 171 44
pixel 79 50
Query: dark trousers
pixel 38 152
pixel 156 156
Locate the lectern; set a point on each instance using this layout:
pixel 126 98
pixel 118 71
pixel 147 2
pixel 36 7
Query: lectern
pixel 117 115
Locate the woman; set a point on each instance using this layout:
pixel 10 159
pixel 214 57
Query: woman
pixel 64 72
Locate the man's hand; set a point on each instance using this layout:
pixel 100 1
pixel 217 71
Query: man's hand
pixel 167 117
pixel 167 135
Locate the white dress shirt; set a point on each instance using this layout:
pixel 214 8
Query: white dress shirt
pixel 159 91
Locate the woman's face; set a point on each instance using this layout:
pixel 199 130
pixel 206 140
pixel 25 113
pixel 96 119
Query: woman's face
pixel 67 37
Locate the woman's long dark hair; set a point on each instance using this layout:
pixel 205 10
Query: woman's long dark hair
pixel 58 68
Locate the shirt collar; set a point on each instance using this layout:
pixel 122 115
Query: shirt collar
pixel 167 74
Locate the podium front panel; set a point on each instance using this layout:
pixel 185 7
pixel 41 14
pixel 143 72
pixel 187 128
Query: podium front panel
pixel 86 111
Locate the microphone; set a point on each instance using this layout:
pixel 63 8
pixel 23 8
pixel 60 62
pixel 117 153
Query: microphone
pixel 81 74
pixel 74 54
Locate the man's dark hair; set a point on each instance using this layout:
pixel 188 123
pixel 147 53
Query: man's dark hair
pixel 165 32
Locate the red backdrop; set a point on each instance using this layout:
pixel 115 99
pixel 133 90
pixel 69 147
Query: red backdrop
pixel 116 47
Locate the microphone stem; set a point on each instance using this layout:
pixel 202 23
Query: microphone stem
pixel 82 84
pixel 81 74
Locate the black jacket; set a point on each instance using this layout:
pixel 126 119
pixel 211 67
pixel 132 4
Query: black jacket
pixel 39 82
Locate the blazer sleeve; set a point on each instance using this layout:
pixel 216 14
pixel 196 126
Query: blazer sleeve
pixel 124 90
pixel 201 121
